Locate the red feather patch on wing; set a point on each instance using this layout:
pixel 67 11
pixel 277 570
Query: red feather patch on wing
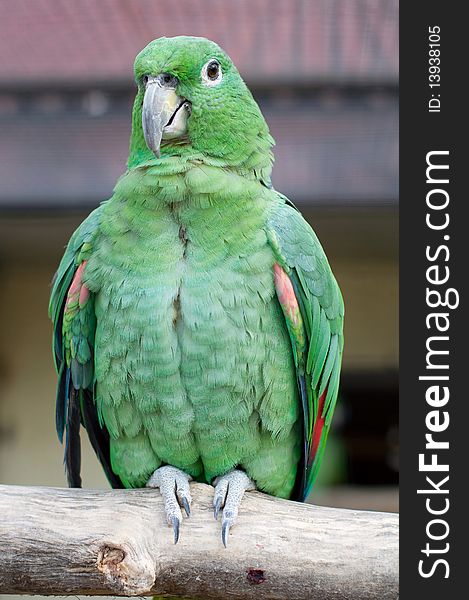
pixel 318 428
pixel 286 295
pixel 77 292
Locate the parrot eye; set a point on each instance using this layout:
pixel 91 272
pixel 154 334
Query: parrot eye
pixel 211 73
pixel 213 69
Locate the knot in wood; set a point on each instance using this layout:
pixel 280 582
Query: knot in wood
pixel 110 556
pixel 123 573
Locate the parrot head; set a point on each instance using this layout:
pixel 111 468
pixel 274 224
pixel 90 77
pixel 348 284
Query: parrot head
pixel 192 101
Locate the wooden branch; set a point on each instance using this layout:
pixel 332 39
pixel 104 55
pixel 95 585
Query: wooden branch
pixel 60 541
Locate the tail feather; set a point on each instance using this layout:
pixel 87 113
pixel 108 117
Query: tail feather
pixel 99 437
pixel 72 456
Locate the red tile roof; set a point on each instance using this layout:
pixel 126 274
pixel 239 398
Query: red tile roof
pixel 82 40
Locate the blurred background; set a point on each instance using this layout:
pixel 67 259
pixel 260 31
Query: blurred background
pixel 325 73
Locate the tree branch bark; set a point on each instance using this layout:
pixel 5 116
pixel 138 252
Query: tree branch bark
pixel 60 541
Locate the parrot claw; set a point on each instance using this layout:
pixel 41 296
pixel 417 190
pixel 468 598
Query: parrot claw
pixel 174 487
pixel 217 501
pixel 176 529
pixel 229 491
pixel 186 505
pixel 225 532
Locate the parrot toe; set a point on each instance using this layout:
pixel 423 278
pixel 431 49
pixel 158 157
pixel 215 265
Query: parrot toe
pixel 229 491
pixel 174 487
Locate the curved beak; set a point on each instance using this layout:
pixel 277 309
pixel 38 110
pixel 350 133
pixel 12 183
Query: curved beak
pixel 161 105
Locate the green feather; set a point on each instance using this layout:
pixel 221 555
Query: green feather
pixel 321 306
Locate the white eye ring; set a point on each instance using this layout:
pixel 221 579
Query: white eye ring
pixel 207 69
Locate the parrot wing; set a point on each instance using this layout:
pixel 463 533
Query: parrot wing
pixel 313 308
pixel 71 309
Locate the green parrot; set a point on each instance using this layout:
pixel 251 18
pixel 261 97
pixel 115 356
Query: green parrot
pixel 198 328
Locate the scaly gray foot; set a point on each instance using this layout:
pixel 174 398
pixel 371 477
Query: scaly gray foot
pixel 174 487
pixel 229 491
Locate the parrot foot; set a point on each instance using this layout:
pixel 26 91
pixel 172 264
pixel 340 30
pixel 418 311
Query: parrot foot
pixel 174 487
pixel 229 491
